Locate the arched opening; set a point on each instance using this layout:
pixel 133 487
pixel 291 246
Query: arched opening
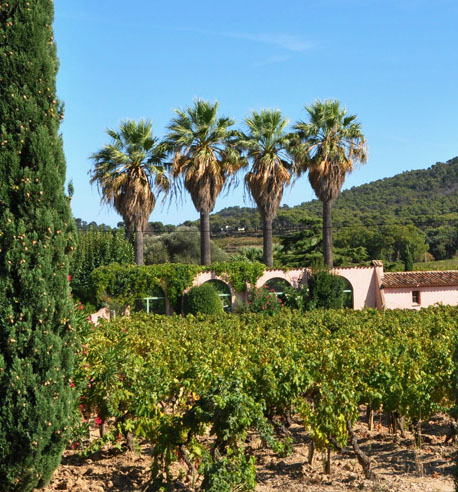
pixel 278 285
pixel 348 293
pixel 153 304
pixel 224 293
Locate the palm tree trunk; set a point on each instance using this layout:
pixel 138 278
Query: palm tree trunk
pixel 267 240
pixel 139 246
pixel 327 233
pixel 205 248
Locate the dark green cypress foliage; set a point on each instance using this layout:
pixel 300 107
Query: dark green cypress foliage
pixel 36 236
pixel 408 260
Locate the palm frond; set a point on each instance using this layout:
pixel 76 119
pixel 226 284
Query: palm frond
pixel 328 146
pixel 204 153
pixel 130 171
pixel 266 145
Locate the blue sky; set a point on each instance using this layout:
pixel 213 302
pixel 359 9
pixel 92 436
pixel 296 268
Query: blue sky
pixel 394 63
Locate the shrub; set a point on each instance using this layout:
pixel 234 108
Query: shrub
pixel 123 284
pixel 179 246
pixel 202 299
pixel 296 298
pixel 325 291
pixel 263 300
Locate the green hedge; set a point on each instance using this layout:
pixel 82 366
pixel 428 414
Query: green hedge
pixel 124 284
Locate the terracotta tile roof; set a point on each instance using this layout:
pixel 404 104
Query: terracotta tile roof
pixel 405 280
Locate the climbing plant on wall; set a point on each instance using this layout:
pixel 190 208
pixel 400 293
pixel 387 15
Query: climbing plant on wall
pixel 125 283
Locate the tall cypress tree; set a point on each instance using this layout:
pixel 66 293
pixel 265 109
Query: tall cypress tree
pixel 408 259
pixel 36 236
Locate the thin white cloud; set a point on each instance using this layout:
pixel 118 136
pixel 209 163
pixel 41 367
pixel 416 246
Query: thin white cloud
pixel 272 60
pixel 285 41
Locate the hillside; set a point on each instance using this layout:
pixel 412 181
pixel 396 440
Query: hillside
pixel 425 198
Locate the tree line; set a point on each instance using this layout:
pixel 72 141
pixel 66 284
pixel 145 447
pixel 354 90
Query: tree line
pixel 383 220
pixel 202 153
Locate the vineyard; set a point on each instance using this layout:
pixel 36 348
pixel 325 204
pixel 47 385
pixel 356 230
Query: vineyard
pixel 197 389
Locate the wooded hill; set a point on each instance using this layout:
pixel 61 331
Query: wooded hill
pixel 425 198
pixel 419 208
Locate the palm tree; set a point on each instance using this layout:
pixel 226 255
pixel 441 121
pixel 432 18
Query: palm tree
pixel 130 173
pixel 266 144
pixel 328 147
pixel 204 157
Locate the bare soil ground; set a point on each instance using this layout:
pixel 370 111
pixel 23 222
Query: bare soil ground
pixel 400 466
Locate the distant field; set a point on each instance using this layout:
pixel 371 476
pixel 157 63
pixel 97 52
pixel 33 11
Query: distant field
pixel 437 265
pixel 231 244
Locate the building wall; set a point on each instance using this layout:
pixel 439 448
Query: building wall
pixel 364 283
pixel 362 279
pixel 402 298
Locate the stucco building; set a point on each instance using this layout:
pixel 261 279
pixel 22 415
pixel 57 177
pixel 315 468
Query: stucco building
pixel 369 286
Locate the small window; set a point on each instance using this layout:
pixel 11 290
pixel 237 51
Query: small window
pixel 416 297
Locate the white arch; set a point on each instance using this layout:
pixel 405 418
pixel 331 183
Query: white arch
pixel 295 277
pixel 364 283
pixel 203 277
